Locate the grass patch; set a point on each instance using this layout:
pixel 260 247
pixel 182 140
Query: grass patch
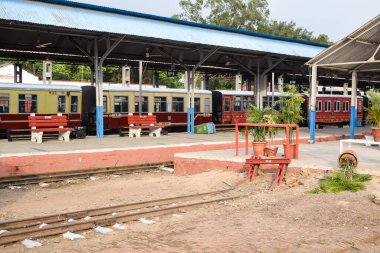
pixel 338 182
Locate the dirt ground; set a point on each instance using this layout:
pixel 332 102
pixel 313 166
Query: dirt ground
pixel 285 220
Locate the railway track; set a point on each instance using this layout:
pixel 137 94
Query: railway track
pixel 18 230
pixel 61 176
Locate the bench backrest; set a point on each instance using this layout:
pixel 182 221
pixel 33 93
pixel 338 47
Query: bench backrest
pixel 47 121
pixel 142 120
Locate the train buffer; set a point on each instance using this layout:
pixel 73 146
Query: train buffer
pixel 137 123
pixel 255 162
pixel 42 124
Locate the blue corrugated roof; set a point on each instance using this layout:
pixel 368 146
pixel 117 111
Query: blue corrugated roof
pixel 83 16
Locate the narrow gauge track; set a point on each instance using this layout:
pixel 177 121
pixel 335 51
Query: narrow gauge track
pixel 57 224
pixel 82 174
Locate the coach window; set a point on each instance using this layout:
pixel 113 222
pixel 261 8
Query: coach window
pixel 27 103
pixel 227 104
pixel 336 106
pixel 74 104
pixel 4 103
pixel 318 107
pixel 160 104
pixel 246 102
pixel 105 104
pixel 197 104
pixel 61 104
pixel 177 104
pixel 207 105
pixel 120 104
pixel 345 106
pixel 237 104
pixel 327 106
pixel 144 104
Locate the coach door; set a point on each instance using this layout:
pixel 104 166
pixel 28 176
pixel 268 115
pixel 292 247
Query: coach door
pixel 227 110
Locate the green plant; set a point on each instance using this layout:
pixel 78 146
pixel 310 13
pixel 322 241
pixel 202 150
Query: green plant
pixel 343 180
pixel 338 182
pixel 290 104
pixel 374 108
pixel 262 116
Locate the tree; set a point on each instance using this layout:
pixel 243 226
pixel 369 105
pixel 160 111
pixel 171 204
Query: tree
pixel 289 29
pixel 239 14
pixel 252 15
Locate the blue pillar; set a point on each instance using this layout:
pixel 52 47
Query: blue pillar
pixel 192 121
pixel 188 120
pixel 312 125
pixel 99 121
pixel 352 122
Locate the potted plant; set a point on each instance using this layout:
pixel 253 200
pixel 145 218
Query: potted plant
pixel 374 113
pixel 260 134
pixel 290 112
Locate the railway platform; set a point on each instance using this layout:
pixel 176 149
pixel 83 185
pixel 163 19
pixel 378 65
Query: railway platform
pixel 27 158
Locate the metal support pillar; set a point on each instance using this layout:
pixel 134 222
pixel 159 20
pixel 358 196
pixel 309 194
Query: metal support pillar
pixel 191 90
pixel 192 116
pixel 257 85
pixel 98 64
pixel 313 101
pixel 272 88
pixel 353 104
pixel 187 85
pixel 140 86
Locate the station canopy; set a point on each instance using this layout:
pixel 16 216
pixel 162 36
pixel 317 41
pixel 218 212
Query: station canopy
pixel 66 31
pixel 359 51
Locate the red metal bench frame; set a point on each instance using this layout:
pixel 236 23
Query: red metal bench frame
pixel 139 122
pixel 255 162
pixel 53 123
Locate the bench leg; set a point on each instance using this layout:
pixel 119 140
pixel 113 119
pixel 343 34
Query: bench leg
pixel 64 136
pixel 155 132
pixel 134 132
pixel 252 172
pixel 36 137
pixel 279 176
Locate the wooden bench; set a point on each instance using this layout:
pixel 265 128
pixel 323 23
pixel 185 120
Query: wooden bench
pixel 137 123
pixel 255 162
pixel 47 124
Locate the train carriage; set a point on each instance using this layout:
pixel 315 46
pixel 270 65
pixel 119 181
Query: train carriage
pixel 18 101
pixel 169 105
pixel 335 109
pixel 330 109
pixel 229 107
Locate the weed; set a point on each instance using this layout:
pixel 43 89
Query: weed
pixel 341 181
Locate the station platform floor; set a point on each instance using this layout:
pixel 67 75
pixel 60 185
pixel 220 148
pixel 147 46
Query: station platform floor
pixel 26 158
pixel 115 142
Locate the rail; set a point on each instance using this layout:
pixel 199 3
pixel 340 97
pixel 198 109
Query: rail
pixel 287 136
pixel 56 224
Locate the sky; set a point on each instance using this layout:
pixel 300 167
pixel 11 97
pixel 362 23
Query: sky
pixel 336 18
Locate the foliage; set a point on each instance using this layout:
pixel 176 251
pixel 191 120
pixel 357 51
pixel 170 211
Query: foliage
pixel 289 29
pixel 170 81
pixel 374 108
pixel 221 84
pixel 262 116
pixel 251 15
pixel 111 74
pixel 338 182
pixel 290 103
pixel 227 13
pixel 343 180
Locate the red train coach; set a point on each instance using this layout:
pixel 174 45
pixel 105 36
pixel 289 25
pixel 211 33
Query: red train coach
pixel 335 109
pixel 229 107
